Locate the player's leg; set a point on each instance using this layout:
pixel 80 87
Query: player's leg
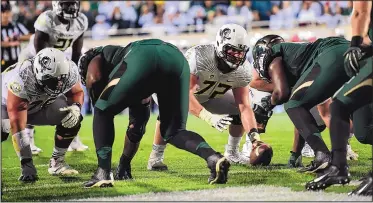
pixel 363 124
pixel 129 83
pixel 51 115
pixel 155 162
pixel 174 113
pixel 355 94
pixel 227 105
pixel 138 118
pixel 317 84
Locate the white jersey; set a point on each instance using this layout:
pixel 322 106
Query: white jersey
pixel 21 81
pixel 61 36
pixel 212 83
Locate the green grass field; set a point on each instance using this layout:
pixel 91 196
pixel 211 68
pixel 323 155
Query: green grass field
pixel 186 171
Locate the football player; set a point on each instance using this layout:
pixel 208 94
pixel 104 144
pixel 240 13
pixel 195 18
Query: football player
pixel 116 74
pixel 34 92
pixel 219 78
pixel 61 28
pixel 354 98
pixel 303 76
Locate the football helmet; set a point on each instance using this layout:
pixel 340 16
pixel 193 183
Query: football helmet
pixel 51 69
pixel 85 59
pixel 232 44
pixel 66 9
pixel 262 54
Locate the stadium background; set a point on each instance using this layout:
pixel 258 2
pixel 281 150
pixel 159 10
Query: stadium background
pixel 188 23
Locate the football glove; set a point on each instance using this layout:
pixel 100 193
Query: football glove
pixel 73 116
pixel 266 103
pixel 220 122
pixel 353 55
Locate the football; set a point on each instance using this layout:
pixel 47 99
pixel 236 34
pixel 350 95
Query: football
pixel 261 154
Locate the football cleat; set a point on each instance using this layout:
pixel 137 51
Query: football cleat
pixel 101 178
pixel 34 149
pixel 351 155
pixel 219 167
pixel 77 145
pixel 295 160
pixel 155 162
pixel 307 151
pixel 58 166
pixel 321 161
pixel 28 173
pixel 331 175
pixel 246 148
pixel 365 188
pixel 123 171
pixel 234 156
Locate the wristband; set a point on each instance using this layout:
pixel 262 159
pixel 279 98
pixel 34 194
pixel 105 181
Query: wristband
pixel 356 41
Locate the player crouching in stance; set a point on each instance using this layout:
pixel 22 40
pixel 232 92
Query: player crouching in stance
pixel 124 76
pixel 34 93
pixel 354 98
pixel 303 75
pixel 219 93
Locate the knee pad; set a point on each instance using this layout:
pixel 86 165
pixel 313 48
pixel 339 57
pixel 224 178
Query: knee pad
pixel 138 118
pixel 68 133
pixel 236 120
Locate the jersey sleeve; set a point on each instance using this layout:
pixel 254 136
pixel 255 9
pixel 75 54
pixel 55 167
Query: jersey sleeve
pixel 74 77
pixel 17 87
pixel 244 76
pixel 44 22
pixel 190 56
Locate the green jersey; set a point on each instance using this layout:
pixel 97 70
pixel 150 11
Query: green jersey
pixel 298 57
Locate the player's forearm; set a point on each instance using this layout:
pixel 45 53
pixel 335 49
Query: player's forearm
pixel 25 37
pixel 248 118
pixel 360 23
pixel 261 85
pixel 279 97
pixel 77 97
pixel 195 107
pixel 75 57
pixel 18 120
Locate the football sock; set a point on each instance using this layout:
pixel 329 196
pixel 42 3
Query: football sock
pixel 234 141
pixel 307 127
pixel 58 152
pixel 130 148
pixel 29 131
pixel 192 142
pixel 339 132
pixel 103 135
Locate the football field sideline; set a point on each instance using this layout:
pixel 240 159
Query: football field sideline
pixel 256 193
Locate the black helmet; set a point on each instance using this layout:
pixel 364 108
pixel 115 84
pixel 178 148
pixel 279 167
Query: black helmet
pixel 262 54
pixel 84 61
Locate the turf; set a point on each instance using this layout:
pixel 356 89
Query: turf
pixel 186 171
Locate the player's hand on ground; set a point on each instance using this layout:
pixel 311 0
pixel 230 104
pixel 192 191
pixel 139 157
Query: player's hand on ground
pixel 73 116
pixel 29 173
pixel 220 122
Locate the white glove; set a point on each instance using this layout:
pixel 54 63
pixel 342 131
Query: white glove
pixel 220 122
pixel 73 117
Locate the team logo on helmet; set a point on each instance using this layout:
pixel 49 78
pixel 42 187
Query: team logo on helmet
pixel 225 34
pixel 45 61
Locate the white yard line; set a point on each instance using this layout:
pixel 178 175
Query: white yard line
pixel 252 193
pixel 13 168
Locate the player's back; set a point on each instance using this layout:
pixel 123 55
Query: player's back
pixel 298 57
pixel 212 82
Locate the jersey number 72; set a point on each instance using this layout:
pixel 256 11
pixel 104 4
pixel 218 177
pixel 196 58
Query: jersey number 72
pixel 223 87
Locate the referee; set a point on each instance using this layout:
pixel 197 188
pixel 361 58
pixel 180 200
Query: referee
pixel 11 36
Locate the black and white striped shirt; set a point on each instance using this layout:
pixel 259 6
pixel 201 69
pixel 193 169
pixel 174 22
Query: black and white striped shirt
pixel 11 32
